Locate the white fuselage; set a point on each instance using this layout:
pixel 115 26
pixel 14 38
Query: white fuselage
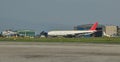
pixel 72 32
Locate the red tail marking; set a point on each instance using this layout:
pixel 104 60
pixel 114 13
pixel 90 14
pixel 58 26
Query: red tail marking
pixel 94 26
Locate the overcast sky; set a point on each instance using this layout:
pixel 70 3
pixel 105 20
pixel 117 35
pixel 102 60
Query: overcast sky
pixel 49 15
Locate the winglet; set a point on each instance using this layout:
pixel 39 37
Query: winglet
pixel 94 26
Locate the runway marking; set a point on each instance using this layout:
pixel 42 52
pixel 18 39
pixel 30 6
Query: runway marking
pixel 63 46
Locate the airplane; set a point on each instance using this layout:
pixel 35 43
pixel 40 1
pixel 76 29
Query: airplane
pixel 73 33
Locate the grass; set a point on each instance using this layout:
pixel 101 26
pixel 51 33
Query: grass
pixel 83 40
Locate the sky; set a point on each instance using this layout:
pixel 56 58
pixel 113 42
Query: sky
pixel 47 15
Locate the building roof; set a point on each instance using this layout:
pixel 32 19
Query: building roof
pixel 89 25
pixel 25 31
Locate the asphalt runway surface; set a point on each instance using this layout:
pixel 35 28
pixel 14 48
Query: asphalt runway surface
pixel 58 52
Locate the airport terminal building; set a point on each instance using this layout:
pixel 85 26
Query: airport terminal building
pixel 99 29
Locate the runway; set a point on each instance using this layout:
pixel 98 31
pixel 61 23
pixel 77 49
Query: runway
pixel 58 52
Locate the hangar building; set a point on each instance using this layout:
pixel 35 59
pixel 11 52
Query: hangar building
pixel 26 33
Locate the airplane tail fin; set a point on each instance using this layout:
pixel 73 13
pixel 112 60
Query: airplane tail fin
pixel 94 26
